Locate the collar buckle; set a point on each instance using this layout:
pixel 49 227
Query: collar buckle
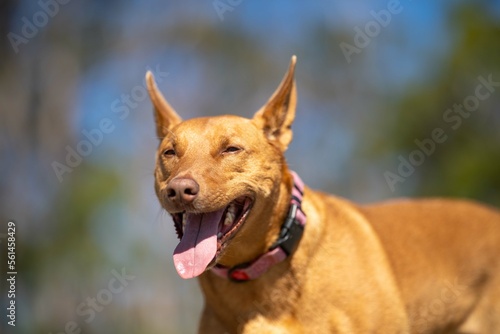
pixel 290 233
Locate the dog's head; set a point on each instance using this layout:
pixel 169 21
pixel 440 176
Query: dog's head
pixel 223 179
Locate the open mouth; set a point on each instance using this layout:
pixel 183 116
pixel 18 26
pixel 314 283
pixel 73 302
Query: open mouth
pixel 204 235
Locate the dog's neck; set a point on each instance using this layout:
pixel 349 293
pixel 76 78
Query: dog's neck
pixel 286 242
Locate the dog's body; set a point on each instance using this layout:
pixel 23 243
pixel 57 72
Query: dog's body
pixel 404 266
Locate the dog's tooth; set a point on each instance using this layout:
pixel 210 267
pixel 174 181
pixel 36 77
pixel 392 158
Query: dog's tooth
pixel 230 215
pixel 219 235
pixel 184 221
pixel 229 219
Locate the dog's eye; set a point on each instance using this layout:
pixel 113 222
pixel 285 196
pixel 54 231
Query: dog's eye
pixel 232 149
pixel 169 153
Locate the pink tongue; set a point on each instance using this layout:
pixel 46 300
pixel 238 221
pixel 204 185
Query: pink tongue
pixel 198 245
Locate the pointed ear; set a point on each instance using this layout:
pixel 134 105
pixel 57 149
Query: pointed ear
pixel 165 116
pixel 275 118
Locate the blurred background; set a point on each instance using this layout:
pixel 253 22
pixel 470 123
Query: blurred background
pixel 377 80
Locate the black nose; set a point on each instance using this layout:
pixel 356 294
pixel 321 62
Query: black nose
pixel 183 190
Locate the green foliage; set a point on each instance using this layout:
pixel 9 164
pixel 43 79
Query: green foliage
pixel 467 164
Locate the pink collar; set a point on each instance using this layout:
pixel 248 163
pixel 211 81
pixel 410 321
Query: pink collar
pixel 288 240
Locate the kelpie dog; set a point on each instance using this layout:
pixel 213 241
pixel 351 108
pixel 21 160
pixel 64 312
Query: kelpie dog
pixel 274 256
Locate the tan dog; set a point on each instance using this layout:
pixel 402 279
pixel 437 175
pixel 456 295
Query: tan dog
pixel 405 266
